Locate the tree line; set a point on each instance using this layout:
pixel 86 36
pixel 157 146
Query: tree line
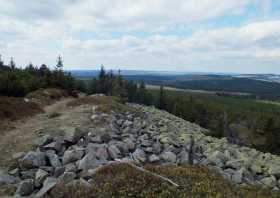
pixel 112 84
pixel 18 82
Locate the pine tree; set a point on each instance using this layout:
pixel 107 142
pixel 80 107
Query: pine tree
pixel 59 65
pixel 1 61
pixel 162 98
pixel 12 63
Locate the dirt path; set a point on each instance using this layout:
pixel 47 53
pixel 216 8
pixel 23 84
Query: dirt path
pixel 21 139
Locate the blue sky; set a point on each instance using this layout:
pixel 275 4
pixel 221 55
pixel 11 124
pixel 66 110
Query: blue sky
pixel 180 35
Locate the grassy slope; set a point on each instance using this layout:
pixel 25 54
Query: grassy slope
pixel 125 181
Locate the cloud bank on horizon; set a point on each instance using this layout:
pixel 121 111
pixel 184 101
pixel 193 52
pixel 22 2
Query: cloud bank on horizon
pixel 179 35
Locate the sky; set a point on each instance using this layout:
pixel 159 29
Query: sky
pixel 240 36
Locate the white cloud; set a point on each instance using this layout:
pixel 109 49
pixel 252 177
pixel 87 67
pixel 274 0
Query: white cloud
pixel 256 41
pixel 91 32
pixel 127 15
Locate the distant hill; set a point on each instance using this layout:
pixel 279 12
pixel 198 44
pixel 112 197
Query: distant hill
pixel 221 83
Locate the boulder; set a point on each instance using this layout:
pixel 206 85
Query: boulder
pixel 235 164
pixel 28 174
pixel 139 156
pixel 183 157
pixel 168 156
pixel 154 158
pixel 89 161
pixel 56 146
pixel 237 176
pixel 33 159
pixel 157 148
pixel 40 177
pixel 67 177
pixel 96 139
pixel 53 160
pixel 274 169
pixel 5 178
pixel 42 141
pixel 72 156
pixel 71 167
pixel 102 153
pixel 129 144
pixel 218 158
pixel 59 171
pixel 49 183
pixel 72 134
pixel 114 152
pixel 25 187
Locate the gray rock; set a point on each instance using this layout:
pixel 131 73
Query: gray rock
pixel 96 139
pixel 122 147
pixel 33 159
pixel 235 164
pixel 42 141
pixel 168 156
pixel 5 178
pixel 40 177
pixel 15 172
pixel 89 161
pixel 72 134
pixel 139 156
pixel 157 148
pixel 274 169
pixel 25 187
pixel 49 183
pixel 56 146
pixel 53 159
pixel 71 167
pixel 102 153
pixel 183 157
pixel 153 158
pixel 28 174
pixel 114 152
pixel 92 147
pixel 59 171
pixel 67 177
pixel 218 158
pixel 238 176
pixel 72 156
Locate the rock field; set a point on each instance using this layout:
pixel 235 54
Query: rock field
pixel 151 136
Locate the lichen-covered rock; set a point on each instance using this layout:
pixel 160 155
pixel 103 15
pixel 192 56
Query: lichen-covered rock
pixel 168 157
pixel 139 156
pixel 269 181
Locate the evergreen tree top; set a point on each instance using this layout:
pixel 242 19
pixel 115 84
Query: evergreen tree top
pixel 59 64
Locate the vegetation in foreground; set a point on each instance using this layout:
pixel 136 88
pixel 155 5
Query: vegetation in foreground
pixel 124 180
